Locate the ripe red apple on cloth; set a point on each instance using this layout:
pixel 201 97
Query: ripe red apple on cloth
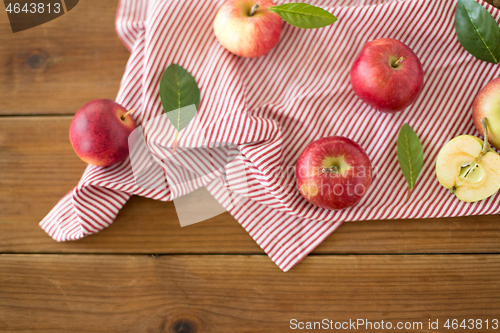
pixel 334 173
pixel 487 105
pixel 387 75
pixel 282 110
pixel 99 132
pixel 247 28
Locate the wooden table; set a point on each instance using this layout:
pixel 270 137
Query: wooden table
pixel 147 274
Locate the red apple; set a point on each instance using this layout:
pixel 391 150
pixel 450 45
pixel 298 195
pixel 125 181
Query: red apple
pixel 334 173
pixel 487 105
pixel 99 132
pixel 387 75
pixel 247 28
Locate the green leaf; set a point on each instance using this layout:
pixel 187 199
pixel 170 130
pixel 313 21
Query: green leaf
pixel 477 31
pixel 180 96
pixel 303 15
pixel 410 155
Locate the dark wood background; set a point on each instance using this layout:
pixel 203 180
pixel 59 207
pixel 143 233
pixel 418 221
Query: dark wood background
pixel 147 274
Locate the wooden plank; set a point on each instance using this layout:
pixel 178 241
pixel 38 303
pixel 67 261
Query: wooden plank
pixel 241 293
pixel 59 66
pixel 38 166
pixel 495 3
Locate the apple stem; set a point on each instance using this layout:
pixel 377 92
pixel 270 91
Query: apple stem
pixel 330 170
pixel 408 194
pixel 126 114
pixel 397 63
pixel 253 10
pixel 175 141
pixel 486 146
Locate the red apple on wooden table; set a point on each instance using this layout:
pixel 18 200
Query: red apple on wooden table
pixel 387 75
pixel 247 28
pixel 99 132
pixel 334 173
pixel 487 105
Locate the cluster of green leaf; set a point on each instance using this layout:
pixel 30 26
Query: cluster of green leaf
pixel 477 31
pixel 410 155
pixel 479 34
pixel 179 90
pixel 303 15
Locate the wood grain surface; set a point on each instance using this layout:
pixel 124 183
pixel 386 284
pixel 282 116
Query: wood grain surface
pixel 38 167
pixel 209 277
pixel 59 66
pixel 240 293
pixel 495 3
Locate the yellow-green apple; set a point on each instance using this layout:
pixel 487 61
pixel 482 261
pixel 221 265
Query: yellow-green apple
pixel 487 105
pixel 387 75
pixel 99 132
pixel 469 168
pixel 334 173
pixel 247 28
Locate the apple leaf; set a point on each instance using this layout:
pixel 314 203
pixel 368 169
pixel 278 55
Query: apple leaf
pixel 477 31
pixel 180 96
pixel 303 15
pixel 410 155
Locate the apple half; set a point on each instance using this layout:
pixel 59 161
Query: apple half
pixel 469 168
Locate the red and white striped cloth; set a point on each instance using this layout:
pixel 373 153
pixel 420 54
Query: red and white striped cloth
pixel 272 107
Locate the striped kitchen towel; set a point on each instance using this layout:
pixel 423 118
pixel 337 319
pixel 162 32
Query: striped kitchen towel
pixel 272 107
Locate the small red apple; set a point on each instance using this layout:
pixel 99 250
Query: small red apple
pixel 99 132
pixel 487 105
pixel 247 28
pixel 387 75
pixel 334 173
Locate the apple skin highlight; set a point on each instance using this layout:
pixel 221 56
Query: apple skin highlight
pixel 487 105
pixel 381 82
pixel 348 179
pixel 98 134
pixel 244 35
